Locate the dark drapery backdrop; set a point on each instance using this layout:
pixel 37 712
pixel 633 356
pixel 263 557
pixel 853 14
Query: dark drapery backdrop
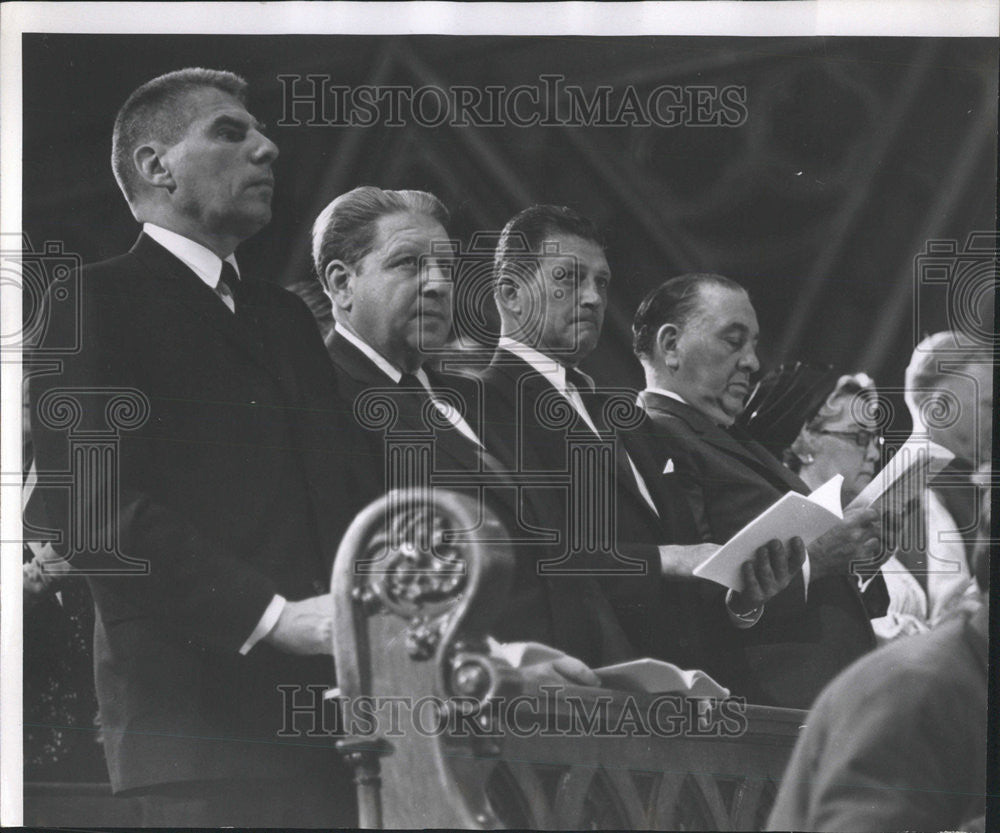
pixel 854 153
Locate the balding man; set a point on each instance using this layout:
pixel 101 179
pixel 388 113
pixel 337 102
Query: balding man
pixel 949 393
pixel 696 336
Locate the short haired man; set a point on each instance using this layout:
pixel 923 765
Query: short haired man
pixel 382 257
pixel 215 493
pixel 949 393
pixel 551 280
pixel 696 337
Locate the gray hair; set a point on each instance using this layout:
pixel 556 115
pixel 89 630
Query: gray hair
pixel 854 391
pixel 156 111
pixel 843 396
pixel 923 373
pixel 345 229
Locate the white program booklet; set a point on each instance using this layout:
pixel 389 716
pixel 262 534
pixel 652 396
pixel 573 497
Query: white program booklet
pixel 805 516
pixel 905 476
pixel 654 676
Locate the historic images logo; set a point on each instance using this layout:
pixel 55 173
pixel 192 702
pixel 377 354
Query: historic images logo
pixel 316 100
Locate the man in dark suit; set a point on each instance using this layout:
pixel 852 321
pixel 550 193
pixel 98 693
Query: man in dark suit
pixel 696 336
pixel 210 584
pixel 382 257
pixel 614 520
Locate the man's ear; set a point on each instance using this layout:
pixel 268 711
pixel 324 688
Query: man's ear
pixel 148 162
pixel 339 284
pixel 508 296
pixel 666 341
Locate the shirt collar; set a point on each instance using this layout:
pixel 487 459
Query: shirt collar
pixel 206 264
pixel 380 361
pixel 668 393
pixel 546 366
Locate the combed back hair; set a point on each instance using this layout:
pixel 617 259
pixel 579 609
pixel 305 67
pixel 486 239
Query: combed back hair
pixel 923 374
pixel 673 302
pixel 345 229
pixel 156 111
pixel 526 233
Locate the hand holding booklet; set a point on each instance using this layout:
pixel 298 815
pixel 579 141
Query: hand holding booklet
pixel 794 514
pixel 810 516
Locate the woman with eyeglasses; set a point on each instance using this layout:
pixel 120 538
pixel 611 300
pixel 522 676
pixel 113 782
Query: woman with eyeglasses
pixel 819 425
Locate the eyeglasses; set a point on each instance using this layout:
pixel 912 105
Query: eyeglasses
pixel 861 437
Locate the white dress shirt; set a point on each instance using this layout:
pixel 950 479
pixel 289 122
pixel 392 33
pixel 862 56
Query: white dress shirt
pixel 208 266
pixel 395 374
pixel 205 263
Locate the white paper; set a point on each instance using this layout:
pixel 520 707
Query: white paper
pixel 905 475
pixel 805 516
pixel 655 676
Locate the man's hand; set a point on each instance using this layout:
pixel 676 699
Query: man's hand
pixel 770 571
pixel 679 561
pixel 304 627
pixel 856 540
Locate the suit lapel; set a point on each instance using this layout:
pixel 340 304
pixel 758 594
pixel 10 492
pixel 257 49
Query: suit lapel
pixel 450 442
pixel 533 385
pixel 178 283
pixel 355 363
pixel 747 451
pixel 595 403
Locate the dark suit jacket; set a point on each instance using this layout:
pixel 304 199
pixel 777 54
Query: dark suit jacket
pixel 454 452
pixel 232 490
pixel 516 398
pixel 797 647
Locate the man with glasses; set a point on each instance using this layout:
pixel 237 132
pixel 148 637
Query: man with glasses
pixel 696 337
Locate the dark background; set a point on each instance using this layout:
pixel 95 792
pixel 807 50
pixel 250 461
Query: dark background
pixel 856 152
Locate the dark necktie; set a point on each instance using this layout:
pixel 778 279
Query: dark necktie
pixel 585 389
pixel 579 381
pixel 231 281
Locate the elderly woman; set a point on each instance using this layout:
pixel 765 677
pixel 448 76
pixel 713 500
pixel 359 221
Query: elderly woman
pixel 818 424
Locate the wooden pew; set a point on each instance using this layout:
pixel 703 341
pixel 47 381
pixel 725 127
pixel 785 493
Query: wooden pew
pixel 443 734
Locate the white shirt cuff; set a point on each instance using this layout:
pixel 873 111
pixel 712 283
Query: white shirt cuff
pixel 742 620
pixel 266 623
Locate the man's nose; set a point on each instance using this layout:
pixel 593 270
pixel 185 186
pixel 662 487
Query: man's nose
pixel 266 150
pixel 435 279
pixel 589 294
pixel 749 361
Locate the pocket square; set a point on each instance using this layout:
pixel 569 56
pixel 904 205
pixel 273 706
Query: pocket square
pixel 669 467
